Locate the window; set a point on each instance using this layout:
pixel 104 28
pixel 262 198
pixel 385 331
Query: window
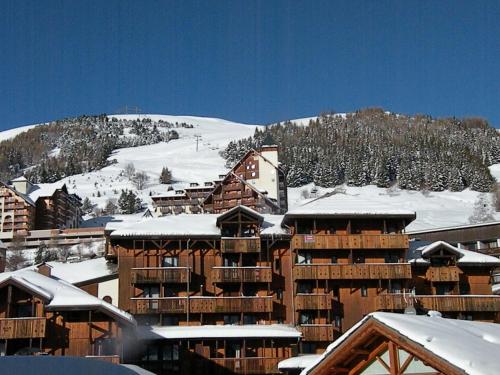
pixel 231 319
pixel 169 320
pixel 306 318
pixel 337 321
pixel 308 348
pixel 304 258
pixel 279 293
pixel 24 310
pixel 364 291
pixel 395 287
pixel 277 265
pixel 334 259
pixel 170 261
pixel 359 259
pixel 392 258
pixel 304 287
pixel 249 319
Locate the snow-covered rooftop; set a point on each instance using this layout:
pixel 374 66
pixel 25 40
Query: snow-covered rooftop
pixel 61 294
pixel 218 331
pixel 80 272
pixel 173 225
pixel 470 346
pixel 456 227
pixel 340 204
pixel 464 256
pixel 44 190
pixel 300 362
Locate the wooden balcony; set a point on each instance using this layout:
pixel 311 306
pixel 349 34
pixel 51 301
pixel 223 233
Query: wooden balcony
pixel 319 332
pixel 242 274
pixel 350 241
pixel 256 365
pixel 115 359
pixel 22 328
pixel 231 304
pixel 313 301
pixel 146 305
pixel 240 244
pixel 360 271
pixel 160 275
pixel 443 274
pixel 439 303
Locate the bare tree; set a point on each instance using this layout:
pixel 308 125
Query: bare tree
pixel 16 260
pixel 129 170
pixel 140 180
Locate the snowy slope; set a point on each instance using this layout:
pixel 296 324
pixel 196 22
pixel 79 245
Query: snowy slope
pixel 11 133
pixel 179 156
pixel 434 209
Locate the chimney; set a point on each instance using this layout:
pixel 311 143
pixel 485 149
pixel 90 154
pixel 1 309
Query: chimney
pixel 270 152
pixel 44 269
pixel 22 185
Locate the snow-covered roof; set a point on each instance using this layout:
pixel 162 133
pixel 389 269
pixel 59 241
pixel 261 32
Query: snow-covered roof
pixel 470 346
pixel 464 256
pixel 218 331
pixel 345 205
pixel 272 226
pixel 456 227
pixel 188 225
pixel 81 272
pixel 245 209
pixel 172 225
pixel 300 362
pixel 61 295
pixel 24 196
pixel 19 179
pixel 44 190
pixel 169 194
pixel 115 222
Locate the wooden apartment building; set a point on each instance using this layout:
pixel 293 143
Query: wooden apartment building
pixel 256 181
pixel 316 270
pixel 25 207
pixel 42 315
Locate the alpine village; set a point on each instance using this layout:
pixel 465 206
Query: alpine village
pixel 224 277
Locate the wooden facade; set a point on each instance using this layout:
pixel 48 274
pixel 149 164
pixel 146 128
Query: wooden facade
pixel 321 275
pixel 28 325
pixel 17 213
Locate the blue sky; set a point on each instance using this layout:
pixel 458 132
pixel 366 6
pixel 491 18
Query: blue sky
pixel 248 61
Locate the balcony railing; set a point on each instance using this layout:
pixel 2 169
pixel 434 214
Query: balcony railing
pixel 152 305
pixel 319 332
pixel 240 244
pixel 201 304
pixel 443 274
pixel 350 241
pixel 362 271
pixel 313 301
pixel 242 274
pixel 160 275
pixel 256 365
pixel 22 328
pixel 231 304
pixel 439 303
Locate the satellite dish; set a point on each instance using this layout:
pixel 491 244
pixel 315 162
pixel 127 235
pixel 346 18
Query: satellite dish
pixel 410 310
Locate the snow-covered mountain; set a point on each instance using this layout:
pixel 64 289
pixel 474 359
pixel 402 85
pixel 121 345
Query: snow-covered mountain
pixel 433 209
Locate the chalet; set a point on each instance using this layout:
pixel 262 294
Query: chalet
pixel 385 343
pixel 256 181
pixel 25 207
pixel 39 314
pixel 319 268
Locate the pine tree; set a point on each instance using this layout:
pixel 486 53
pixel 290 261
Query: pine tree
pixel 165 176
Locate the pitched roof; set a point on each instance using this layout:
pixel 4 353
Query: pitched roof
pixel 465 346
pixel 243 209
pixel 61 295
pixel 422 254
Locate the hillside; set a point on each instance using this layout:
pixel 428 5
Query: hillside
pixel 373 147
pixel 180 156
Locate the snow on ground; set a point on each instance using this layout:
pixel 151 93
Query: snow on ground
pixel 11 133
pixel 434 209
pixel 180 156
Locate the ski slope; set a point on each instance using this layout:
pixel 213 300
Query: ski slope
pixel 434 209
